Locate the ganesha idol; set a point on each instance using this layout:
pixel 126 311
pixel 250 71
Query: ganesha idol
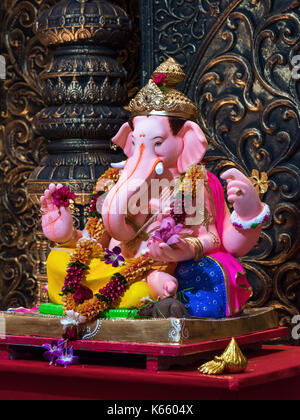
pixel 130 255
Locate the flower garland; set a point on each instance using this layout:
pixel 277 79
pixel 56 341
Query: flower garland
pixel 79 298
pixel 186 193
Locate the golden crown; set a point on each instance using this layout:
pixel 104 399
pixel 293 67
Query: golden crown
pixel 159 96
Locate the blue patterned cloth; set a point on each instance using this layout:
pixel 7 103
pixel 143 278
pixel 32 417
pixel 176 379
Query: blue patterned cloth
pixel 201 288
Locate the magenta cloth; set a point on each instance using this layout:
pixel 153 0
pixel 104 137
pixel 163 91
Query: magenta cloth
pixel 33 310
pixel 238 289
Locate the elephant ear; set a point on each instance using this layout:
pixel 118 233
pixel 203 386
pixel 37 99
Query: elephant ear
pixel 194 146
pixel 124 140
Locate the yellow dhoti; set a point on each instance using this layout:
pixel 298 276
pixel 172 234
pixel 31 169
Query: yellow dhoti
pixel 98 276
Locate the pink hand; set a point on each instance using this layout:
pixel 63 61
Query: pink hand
pixel 161 251
pixel 242 194
pixel 57 223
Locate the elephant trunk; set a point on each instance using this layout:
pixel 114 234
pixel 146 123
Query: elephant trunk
pixel 134 177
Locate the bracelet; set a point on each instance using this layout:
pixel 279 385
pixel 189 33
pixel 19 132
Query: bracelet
pixel 198 247
pixel 216 240
pixel 253 223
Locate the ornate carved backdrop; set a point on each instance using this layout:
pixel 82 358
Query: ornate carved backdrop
pixel 237 56
pixel 21 149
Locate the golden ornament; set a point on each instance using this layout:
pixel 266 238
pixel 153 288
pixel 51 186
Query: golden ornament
pixel 163 99
pixel 231 361
pixel 260 181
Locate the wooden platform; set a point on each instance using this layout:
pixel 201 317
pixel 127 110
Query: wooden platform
pixel 147 331
pixel 162 343
pixel 157 356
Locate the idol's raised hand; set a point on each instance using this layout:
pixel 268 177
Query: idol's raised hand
pixel 57 222
pixel 242 194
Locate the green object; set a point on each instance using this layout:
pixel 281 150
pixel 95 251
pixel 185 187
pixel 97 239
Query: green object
pixel 55 309
pixel 254 225
pixel 51 309
pixel 120 313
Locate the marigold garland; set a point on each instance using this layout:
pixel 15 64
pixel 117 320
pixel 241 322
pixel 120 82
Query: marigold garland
pixel 187 192
pixel 193 174
pixel 109 296
pixel 78 297
pixel 73 291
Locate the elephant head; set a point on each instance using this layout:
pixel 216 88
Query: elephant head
pixel 156 147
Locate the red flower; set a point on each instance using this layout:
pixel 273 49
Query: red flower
pixel 159 78
pixel 62 196
pixel 82 293
pixel 71 333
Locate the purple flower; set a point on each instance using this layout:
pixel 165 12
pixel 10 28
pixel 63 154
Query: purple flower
pixel 67 358
pixel 114 257
pixel 169 232
pixel 54 350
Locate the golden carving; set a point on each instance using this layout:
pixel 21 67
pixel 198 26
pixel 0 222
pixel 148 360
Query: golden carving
pixel 260 181
pixel 241 79
pixel 23 253
pixel 172 70
pixel 68 23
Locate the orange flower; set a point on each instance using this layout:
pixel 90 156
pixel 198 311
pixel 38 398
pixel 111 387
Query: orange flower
pixel 91 308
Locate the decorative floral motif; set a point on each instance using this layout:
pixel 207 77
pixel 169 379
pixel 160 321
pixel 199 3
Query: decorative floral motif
pixel 260 181
pixel 179 331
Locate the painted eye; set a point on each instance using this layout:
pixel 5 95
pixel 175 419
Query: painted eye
pixel 133 143
pixel 158 143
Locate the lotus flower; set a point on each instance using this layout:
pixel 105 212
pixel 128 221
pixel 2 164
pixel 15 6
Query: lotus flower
pixel 170 233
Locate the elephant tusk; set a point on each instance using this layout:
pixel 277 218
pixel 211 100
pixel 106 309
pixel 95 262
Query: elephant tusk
pixel 159 169
pixel 118 165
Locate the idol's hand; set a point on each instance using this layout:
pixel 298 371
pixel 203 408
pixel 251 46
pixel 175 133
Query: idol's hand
pixel 242 194
pixel 57 222
pixel 160 251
